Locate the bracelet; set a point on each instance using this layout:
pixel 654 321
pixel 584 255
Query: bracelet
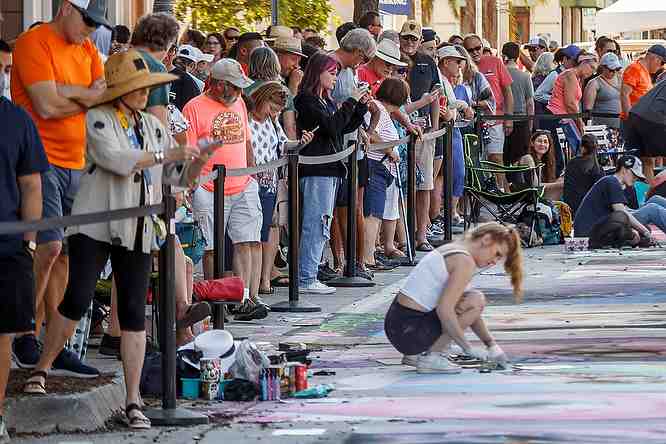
pixel 158 156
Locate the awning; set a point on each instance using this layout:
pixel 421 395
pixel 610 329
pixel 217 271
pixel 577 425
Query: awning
pixel 595 4
pixel 632 15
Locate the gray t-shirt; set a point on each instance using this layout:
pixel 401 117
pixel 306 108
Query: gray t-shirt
pixel 344 86
pixel 522 89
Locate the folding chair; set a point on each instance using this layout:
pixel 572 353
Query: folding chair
pixel 505 207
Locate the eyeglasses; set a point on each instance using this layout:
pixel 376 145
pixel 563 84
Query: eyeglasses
pixel 401 71
pixel 475 49
pixel 409 38
pixel 87 20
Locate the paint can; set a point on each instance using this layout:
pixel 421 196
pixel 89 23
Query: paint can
pixel 210 390
pixel 301 377
pixel 210 370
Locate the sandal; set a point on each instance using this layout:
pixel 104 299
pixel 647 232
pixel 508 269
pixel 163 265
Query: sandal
pixel 280 281
pixel 395 254
pixel 35 387
pixel 424 246
pixel 270 291
pixel 195 313
pixel 137 421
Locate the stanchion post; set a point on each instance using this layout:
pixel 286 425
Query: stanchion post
pixel 351 279
pixel 169 414
pixel 293 305
pixel 411 193
pixel 218 225
pixel 448 181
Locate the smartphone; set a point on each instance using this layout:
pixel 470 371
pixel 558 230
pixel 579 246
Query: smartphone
pixel 363 85
pixel 208 146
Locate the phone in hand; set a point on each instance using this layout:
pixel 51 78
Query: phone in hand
pixel 209 146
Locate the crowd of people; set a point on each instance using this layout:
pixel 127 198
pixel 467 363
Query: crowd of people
pixel 97 117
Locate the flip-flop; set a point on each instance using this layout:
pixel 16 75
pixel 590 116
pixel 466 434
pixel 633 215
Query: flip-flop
pixel 424 246
pixel 31 387
pixel 195 313
pixel 271 290
pixel 136 422
pixel 280 281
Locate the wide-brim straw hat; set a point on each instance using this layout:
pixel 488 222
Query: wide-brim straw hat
pixel 126 72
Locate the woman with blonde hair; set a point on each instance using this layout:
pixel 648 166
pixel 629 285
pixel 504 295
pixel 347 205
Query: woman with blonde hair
pixel 437 302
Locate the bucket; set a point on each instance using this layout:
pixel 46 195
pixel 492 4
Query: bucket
pixel 190 388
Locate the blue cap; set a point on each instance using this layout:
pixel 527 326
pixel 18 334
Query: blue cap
pixel 571 51
pixel 658 50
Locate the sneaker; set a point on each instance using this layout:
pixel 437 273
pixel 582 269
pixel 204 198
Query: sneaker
pixel 258 301
pixel 316 288
pixel 68 364
pixel 4 435
pixel 410 360
pixel 250 311
pixel 326 273
pixel 436 363
pixel 110 346
pixel 26 351
pixel 364 272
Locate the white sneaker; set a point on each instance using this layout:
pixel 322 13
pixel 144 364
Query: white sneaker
pixel 316 288
pixel 410 360
pixel 436 363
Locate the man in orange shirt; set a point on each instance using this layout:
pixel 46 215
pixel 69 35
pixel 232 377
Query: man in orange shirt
pixel 220 114
pixel 57 74
pixel 636 81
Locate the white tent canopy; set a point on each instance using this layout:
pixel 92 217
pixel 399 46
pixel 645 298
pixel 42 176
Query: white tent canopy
pixel 632 15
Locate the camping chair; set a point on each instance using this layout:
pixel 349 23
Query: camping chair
pixel 505 207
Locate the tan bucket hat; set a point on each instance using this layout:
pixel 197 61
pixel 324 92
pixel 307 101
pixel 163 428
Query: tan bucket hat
pixel 126 72
pixel 289 44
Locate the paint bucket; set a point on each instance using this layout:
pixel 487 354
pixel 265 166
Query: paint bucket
pixel 190 388
pixel 210 390
pixel 301 377
pixel 210 370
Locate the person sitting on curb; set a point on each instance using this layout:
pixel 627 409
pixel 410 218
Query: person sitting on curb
pixel 606 204
pixel 437 303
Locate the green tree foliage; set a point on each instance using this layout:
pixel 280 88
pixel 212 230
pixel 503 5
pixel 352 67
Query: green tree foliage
pixel 215 15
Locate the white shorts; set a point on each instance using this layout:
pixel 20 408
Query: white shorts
pixel 496 143
pixel 243 216
pixel 391 211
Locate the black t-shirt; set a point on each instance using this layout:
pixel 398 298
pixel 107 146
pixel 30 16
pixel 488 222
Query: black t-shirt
pixel 597 204
pixel 21 154
pixel 183 89
pixel 422 79
pixel 580 174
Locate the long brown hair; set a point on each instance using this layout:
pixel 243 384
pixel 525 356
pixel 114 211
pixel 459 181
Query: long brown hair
pixel 548 159
pixel 513 264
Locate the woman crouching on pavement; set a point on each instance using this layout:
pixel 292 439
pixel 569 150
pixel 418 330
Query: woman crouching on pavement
pixel 437 303
pixel 129 155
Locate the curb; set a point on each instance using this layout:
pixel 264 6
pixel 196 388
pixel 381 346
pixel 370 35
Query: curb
pixel 79 412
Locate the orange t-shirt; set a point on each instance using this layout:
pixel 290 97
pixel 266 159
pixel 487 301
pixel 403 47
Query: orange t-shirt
pixel 210 119
pixel 41 55
pixel 638 77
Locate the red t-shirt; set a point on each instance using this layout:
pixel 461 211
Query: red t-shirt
pixel 498 77
pixel 366 74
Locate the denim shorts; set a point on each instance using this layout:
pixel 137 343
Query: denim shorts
pixel 379 179
pixel 268 200
pixel 59 188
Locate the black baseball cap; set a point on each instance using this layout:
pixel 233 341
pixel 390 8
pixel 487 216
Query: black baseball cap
pixel 658 50
pixel 632 163
pixel 249 36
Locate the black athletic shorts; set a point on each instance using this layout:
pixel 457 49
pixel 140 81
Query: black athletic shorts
pixel 649 138
pixel 410 331
pixel 17 293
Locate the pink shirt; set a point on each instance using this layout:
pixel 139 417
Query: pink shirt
pixel 557 104
pixel 209 118
pixel 498 76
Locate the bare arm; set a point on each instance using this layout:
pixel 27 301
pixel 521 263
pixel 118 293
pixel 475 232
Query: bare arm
pixel 461 271
pixel 49 104
pixel 86 96
pixel 31 200
pixel 508 108
pixel 590 95
pixel 289 124
pixel 625 102
pixel 530 112
pixel 526 60
pixel 160 111
pixel 249 153
pixel 642 229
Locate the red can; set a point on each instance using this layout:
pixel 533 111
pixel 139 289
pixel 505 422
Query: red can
pixel 301 376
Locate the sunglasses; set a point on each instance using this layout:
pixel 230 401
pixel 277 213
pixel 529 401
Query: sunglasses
pixel 87 20
pixel 409 38
pixel 401 71
pixel 475 49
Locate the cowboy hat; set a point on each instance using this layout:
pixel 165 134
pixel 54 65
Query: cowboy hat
pixel 211 344
pixel 126 72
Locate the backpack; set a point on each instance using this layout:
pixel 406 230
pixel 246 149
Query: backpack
pixel 547 225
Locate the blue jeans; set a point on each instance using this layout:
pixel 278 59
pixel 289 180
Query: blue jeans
pixel 317 203
pixel 653 212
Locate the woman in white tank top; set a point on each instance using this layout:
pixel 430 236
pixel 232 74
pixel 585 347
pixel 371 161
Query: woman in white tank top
pixel 437 303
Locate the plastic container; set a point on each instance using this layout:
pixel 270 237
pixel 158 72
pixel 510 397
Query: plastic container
pixel 190 388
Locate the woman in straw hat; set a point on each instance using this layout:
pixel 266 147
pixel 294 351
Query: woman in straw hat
pixel 129 155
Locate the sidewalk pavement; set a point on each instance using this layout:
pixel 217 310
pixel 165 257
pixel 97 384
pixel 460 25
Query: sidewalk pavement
pixel 587 346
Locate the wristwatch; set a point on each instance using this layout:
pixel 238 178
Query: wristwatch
pixel 30 246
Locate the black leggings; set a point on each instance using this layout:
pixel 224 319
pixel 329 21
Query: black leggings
pixel 131 270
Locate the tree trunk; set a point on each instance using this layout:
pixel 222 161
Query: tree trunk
pixel 363 6
pixel 163 6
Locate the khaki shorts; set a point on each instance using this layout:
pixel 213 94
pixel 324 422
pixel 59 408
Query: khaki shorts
pixel 425 156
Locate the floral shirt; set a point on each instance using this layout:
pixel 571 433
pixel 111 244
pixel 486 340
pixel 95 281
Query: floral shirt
pixel 268 139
